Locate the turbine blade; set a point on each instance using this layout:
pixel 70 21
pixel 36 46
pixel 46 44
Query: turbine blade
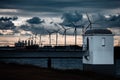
pixel 59 30
pixel 88 18
pixel 47 31
pixel 63 27
pixel 73 24
pixel 68 28
pixel 87 27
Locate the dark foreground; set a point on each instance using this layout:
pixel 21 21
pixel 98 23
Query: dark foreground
pixel 28 72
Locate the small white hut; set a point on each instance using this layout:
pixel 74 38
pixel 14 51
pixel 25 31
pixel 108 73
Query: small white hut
pixel 99 50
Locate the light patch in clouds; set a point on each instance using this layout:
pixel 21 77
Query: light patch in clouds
pixel 9 10
pixel 110 11
pixel 6 32
pixel 21 21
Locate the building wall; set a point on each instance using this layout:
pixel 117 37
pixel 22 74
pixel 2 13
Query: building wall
pixel 103 54
pixel 88 52
pixel 100 52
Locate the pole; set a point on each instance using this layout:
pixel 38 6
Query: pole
pixel 65 37
pixel 49 63
pixel 56 39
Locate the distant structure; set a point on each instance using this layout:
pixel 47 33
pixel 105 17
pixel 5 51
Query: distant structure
pixel 27 44
pixel 49 33
pixel 65 32
pixel 99 51
pixel 20 44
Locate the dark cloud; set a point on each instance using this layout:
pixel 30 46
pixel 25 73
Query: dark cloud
pixel 25 27
pixel 35 20
pixel 39 29
pixel 14 18
pixel 69 18
pixel 58 6
pixel 50 4
pixel 112 21
pixel 7 25
pixel 8 18
pixel 35 25
pixel 114 17
pixel 98 20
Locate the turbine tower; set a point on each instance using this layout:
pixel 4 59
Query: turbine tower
pixel 49 33
pixel 75 33
pixel 35 38
pixel 40 39
pixel 56 32
pixel 65 30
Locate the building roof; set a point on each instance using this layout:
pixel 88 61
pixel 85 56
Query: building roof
pixel 98 31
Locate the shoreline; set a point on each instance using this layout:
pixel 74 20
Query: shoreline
pixel 29 72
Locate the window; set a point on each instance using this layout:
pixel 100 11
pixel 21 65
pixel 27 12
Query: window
pixel 103 42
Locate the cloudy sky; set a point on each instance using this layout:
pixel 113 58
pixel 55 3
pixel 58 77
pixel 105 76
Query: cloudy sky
pixel 28 17
pixel 56 7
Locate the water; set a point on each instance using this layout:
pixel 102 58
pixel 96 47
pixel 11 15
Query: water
pixel 35 62
pixel 57 63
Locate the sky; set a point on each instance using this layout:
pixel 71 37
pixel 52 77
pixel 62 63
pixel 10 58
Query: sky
pixel 28 17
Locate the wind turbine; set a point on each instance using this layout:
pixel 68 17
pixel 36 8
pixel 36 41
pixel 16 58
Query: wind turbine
pixel 84 29
pixel 56 32
pixel 35 37
pixel 75 33
pixel 90 23
pixel 40 39
pixel 65 30
pixel 49 33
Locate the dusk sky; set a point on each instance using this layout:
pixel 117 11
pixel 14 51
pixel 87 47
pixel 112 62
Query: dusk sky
pixel 26 17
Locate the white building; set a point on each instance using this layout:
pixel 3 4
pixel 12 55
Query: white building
pixel 99 49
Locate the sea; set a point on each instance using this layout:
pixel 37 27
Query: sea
pixel 56 63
